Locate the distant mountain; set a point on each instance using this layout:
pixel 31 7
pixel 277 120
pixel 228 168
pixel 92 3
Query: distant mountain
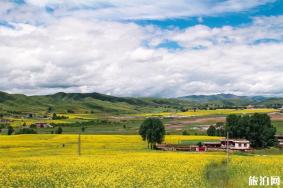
pixel 232 100
pixel 107 104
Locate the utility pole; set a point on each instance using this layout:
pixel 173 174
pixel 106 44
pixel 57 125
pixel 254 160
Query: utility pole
pixel 79 144
pixel 227 146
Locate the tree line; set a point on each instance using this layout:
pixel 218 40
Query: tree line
pixel 257 128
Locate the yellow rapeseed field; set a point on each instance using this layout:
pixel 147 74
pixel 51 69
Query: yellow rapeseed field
pixel 211 112
pixel 115 161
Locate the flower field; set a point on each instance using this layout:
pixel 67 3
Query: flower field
pixel 211 112
pixel 116 161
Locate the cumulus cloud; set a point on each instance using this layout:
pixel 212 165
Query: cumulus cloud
pixel 77 55
pixel 85 47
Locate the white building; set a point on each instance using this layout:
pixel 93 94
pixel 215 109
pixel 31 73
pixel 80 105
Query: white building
pixel 235 144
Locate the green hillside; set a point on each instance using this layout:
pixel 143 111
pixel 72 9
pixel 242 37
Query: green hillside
pixel 230 100
pixel 85 103
pixel 106 104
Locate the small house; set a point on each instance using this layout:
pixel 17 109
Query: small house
pixel 235 144
pixel 280 140
pixel 250 107
pixel 42 125
pixel 212 144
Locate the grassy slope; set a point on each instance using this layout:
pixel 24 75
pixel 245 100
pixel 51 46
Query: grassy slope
pixel 87 102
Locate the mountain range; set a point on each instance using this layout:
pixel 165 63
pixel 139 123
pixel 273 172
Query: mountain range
pixel 101 103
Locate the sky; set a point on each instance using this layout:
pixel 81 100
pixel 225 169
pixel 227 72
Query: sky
pixel 142 48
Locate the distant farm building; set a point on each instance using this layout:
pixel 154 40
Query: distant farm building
pixel 280 140
pixel 250 107
pixel 42 125
pixel 5 121
pixel 178 147
pixel 233 145
pixel 212 144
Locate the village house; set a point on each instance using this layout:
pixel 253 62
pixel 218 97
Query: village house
pixel 250 107
pixel 5 121
pixel 42 125
pixel 235 144
pixel 211 145
pixel 280 140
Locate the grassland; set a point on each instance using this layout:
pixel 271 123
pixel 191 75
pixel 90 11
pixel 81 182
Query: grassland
pixel 175 123
pixel 279 126
pixel 117 161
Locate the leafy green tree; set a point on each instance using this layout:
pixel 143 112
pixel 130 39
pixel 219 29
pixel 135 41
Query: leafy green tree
pixel 211 131
pixel 49 110
pixel 25 131
pixel 59 130
pixel 199 144
pixel 83 129
pixel 152 130
pixel 185 132
pixel 54 116
pixel 256 128
pixel 220 131
pixel 10 130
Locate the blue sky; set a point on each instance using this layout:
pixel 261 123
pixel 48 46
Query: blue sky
pixel 219 20
pixel 142 48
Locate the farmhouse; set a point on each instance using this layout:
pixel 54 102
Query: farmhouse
pixel 42 125
pixel 280 140
pixel 250 107
pixel 235 144
pixel 178 147
pixel 5 121
pixel 212 144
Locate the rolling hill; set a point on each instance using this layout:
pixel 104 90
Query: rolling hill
pixel 101 103
pixel 234 100
pixel 85 102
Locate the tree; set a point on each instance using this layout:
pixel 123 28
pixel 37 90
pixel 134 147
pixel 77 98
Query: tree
pixel 220 131
pixel 49 110
pixel 152 130
pixel 54 116
pixel 10 130
pixel 59 130
pixel 256 128
pixel 185 132
pixel 83 129
pixel 211 131
pixel 26 131
pixel 199 144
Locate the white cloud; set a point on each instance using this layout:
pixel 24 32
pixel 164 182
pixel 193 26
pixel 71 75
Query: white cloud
pixel 33 11
pixel 76 55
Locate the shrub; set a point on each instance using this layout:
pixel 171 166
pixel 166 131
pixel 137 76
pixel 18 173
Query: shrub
pixel 26 131
pixel 185 132
pixel 199 144
pixel 211 131
pixel 10 130
pixel 59 130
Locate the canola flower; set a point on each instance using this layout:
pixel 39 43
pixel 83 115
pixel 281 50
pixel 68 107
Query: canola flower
pixel 114 161
pixel 210 112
